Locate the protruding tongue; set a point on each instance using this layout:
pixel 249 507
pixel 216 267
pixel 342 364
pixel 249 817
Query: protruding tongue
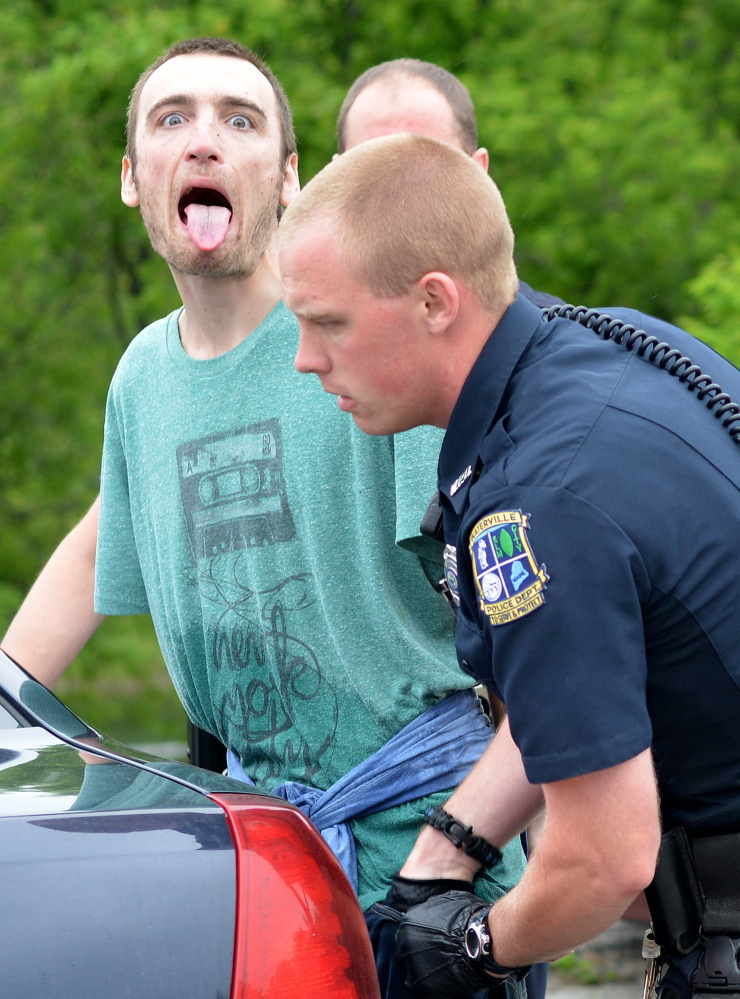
pixel 207 225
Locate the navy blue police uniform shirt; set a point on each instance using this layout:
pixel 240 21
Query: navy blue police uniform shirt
pixel 541 298
pixel 595 503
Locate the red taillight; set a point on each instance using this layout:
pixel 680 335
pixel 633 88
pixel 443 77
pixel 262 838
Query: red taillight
pixel 299 929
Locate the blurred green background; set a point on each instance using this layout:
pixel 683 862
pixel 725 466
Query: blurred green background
pixel 614 133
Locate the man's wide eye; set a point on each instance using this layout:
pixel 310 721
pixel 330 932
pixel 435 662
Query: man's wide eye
pixel 170 120
pixel 240 121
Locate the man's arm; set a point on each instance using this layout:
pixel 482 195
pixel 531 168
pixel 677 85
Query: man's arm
pixel 495 798
pixel 57 617
pixel 597 851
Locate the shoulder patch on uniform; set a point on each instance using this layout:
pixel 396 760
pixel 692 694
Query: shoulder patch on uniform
pixel 509 582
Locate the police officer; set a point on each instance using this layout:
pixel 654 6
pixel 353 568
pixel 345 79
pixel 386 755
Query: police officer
pixel 590 485
pixel 410 95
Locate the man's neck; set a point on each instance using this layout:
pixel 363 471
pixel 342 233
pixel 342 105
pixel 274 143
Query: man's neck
pixel 220 312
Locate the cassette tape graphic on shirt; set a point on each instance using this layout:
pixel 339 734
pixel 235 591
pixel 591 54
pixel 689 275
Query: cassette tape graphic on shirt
pixel 233 490
pixel 509 582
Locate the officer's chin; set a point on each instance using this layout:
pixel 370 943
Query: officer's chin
pixel 380 426
pixel 367 427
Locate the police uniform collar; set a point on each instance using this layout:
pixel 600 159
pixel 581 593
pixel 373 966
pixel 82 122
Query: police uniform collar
pixel 477 408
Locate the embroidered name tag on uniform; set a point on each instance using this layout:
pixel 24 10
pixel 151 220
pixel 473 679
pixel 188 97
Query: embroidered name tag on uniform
pixel 461 480
pixel 507 577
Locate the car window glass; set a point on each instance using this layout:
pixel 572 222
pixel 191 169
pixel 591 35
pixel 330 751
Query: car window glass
pixel 6 719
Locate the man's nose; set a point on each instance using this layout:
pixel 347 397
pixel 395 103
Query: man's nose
pixel 204 141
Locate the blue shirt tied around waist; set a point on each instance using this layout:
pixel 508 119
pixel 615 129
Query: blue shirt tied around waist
pixel 432 753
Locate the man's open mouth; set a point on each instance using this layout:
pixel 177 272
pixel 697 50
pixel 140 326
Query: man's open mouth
pixel 206 213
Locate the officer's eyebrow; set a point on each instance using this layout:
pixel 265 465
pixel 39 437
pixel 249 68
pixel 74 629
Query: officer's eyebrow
pixel 319 318
pixel 225 103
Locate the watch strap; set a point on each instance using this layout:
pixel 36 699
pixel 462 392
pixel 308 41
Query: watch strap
pixel 481 951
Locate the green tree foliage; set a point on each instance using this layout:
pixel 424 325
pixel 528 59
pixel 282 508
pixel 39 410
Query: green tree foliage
pixel 613 129
pixel 715 303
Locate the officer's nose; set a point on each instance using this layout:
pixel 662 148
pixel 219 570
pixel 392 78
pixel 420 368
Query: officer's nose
pixel 310 358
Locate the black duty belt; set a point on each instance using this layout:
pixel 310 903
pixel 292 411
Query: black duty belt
pixel 696 889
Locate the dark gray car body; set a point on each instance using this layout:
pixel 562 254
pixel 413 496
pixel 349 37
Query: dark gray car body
pixel 117 871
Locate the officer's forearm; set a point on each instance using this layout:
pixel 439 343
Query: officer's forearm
pixel 598 850
pixel 496 799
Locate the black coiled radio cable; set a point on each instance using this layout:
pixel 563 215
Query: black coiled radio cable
pixel 660 353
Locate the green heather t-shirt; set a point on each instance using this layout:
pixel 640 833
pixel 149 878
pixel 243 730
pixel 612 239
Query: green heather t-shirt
pixel 277 549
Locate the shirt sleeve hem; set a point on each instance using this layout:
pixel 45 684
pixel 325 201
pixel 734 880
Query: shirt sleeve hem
pixel 584 759
pixel 117 608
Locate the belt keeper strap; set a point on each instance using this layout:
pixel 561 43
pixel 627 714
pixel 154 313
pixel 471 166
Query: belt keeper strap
pixel 717 861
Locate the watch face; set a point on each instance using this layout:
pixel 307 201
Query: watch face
pixel 477 941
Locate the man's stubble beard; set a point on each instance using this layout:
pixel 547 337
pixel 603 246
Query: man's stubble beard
pixel 241 261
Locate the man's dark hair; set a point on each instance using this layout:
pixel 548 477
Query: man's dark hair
pixel 445 82
pixel 212 46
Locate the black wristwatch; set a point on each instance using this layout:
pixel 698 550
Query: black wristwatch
pixel 477 943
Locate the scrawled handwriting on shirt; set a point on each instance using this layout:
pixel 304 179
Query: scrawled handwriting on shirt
pixel 275 704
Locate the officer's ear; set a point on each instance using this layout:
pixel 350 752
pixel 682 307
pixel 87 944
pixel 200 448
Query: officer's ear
pixel 440 301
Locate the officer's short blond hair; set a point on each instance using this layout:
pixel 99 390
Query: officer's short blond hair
pixel 404 205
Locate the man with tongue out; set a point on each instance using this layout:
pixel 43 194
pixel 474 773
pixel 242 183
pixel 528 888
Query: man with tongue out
pixel 276 547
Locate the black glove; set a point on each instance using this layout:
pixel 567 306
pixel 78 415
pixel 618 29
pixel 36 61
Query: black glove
pixel 430 947
pixel 407 892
